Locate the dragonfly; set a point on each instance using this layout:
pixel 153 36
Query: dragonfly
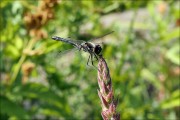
pixel 94 50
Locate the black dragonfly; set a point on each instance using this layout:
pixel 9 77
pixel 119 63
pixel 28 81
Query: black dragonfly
pixel 87 46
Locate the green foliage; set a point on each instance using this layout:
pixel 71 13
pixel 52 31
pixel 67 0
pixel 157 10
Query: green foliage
pixel 142 55
pixel 12 109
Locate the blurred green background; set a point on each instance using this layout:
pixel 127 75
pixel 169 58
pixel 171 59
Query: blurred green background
pixel 142 54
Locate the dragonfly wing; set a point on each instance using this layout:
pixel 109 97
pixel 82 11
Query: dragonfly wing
pixel 78 41
pixel 67 40
pixel 61 53
pixel 56 57
pixel 99 37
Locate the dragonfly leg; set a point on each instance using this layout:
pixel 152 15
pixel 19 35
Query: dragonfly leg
pixel 92 61
pixel 95 56
pixel 88 60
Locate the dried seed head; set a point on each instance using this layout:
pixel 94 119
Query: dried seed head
pixel 105 93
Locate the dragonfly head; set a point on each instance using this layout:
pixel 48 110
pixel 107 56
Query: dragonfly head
pixel 98 49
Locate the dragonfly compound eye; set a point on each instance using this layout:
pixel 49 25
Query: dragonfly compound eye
pixel 97 49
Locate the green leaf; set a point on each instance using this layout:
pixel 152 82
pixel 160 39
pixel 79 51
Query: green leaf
pixel 12 109
pixel 50 101
pixel 18 43
pixel 111 7
pixel 173 101
pixel 12 50
pixel 52 110
pixel 34 90
pixel 52 47
pixel 171 35
pixel 173 54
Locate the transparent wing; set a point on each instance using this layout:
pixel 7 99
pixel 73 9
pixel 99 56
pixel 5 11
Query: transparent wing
pixel 99 37
pixel 61 53
pixel 65 56
pixel 69 40
pixel 78 42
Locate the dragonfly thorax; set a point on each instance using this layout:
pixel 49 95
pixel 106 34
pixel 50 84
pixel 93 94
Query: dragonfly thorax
pixel 92 48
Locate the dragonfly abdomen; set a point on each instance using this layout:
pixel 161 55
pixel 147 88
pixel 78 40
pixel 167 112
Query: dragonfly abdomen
pixel 63 40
